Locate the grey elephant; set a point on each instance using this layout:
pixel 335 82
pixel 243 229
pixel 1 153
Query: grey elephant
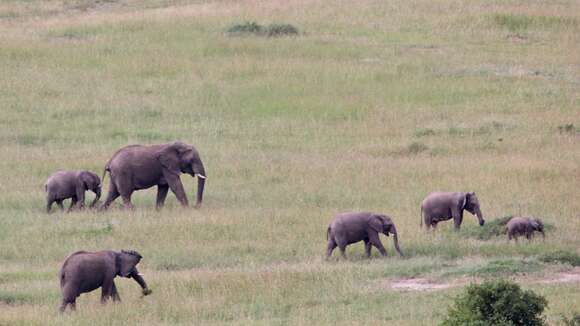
pixel 347 228
pixel 85 271
pixel 518 226
pixel 138 167
pixel 71 184
pixel 442 206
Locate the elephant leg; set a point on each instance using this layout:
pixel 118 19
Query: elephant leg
pixel 60 205
pixel 368 247
pixel 342 250
pixel 330 247
pixel 375 241
pixel 73 203
pixel 115 294
pixel 457 219
pixel 177 188
pixel 111 196
pixel 63 305
pixel 106 290
pixel 127 201
pixel 161 195
pixel 49 203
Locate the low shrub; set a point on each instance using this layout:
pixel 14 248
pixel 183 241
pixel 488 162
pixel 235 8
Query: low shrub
pixel 246 28
pixel 281 30
pixel 496 303
pixel 491 228
pixel 253 28
pixel 562 257
pixel 568 128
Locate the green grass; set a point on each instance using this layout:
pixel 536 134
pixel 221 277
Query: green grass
pixel 372 106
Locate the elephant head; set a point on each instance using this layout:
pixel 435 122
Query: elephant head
pixel 472 206
pixel 186 159
pixel 91 182
pixel 126 261
pixel 384 224
pixel 537 225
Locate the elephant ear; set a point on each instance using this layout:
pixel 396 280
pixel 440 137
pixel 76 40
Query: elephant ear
pixel 126 261
pixel 168 156
pixel 376 222
pixel 87 179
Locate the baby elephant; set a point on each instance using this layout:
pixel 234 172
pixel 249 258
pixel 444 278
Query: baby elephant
pixel 85 271
pixel 71 184
pixel 524 226
pixel 347 228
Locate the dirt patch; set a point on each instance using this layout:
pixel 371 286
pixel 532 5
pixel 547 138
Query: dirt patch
pixel 571 276
pixel 420 284
pixel 425 284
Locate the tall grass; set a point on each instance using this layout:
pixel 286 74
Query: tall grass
pixel 372 106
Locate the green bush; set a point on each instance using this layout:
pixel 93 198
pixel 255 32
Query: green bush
pixel 496 303
pixel 561 256
pixel 253 28
pixel 281 30
pixel 246 28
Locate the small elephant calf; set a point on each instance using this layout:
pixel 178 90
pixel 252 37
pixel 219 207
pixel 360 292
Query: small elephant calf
pixel 518 226
pixel 71 184
pixel 347 228
pixel 85 271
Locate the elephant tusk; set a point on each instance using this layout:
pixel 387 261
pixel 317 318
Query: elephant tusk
pixel 199 176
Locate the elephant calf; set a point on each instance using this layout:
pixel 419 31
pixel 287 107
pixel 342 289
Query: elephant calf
pixel 85 271
pixel 518 226
pixel 71 184
pixel 347 228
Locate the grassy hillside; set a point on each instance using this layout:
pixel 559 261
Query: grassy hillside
pixel 372 106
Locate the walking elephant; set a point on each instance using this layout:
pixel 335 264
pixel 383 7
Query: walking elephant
pixel 442 206
pixel 85 271
pixel 138 167
pixel 62 185
pixel 518 226
pixel 347 228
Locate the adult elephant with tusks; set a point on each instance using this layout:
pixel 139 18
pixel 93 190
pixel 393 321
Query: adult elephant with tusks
pixel 136 167
pixel 442 206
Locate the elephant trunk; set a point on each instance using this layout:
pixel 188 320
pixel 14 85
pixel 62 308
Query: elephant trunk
pixel 200 173
pixel 479 216
pixel 97 197
pixel 396 240
pixel 139 279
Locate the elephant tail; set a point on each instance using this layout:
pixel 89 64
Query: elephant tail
pixel 328 233
pixel 421 218
pixel 107 168
pixel 61 277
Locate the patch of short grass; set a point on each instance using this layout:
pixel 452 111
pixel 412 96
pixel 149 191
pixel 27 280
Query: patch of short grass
pixel 562 257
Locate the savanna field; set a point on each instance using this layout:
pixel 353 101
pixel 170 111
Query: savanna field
pixel 371 106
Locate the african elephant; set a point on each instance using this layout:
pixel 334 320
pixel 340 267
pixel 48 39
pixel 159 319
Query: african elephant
pixel 442 206
pixel 62 185
pixel 85 271
pixel 138 167
pixel 347 228
pixel 524 226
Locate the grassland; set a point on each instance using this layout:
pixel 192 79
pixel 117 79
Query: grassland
pixel 373 105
